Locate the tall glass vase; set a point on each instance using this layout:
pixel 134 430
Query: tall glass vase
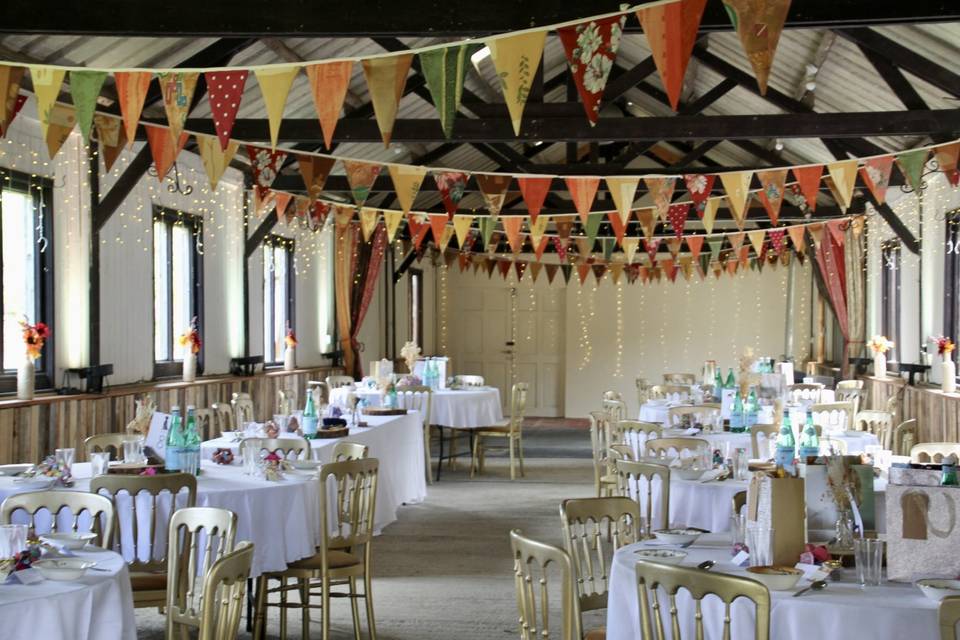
pixel 843 535
pixel 26 380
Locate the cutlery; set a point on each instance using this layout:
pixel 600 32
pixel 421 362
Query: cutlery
pixel 816 586
pixel 706 565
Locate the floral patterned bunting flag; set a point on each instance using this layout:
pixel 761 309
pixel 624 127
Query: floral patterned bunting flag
pixel 264 165
pixel 911 163
pixel 451 185
pixel 85 89
pixel 164 148
pixel 60 119
pixel 46 86
pixel 18 103
pixel 111 136
pixel 215 160
pixel 418 228
pixel 386 78
pixel 671 31
pixel 537 229
pixel 360 177
pixel 759 24
pixel 737 186
pixel 591 49
pixel 487 226
pixel 583 190
pixel 445 69
pixel 876 175
pixel 314 170
pixel 407 180
pixel 10 78
pixel 622 191
pixel 275 83
pixel 494 190
pixel 132 89
pixel 677 216
pixel 319 213
pixel 651 246
pixel 700 186
pixel 177 89
pixel 808 179
pixel 516 59
pixel 661 190
pixel 771 191
pixel 534 191
pixel 328 85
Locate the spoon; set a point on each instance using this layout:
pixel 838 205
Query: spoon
pixel 706 565
pixel 816 586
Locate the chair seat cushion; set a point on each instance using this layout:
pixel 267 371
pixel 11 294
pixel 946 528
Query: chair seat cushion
pixel 609 479
pixel 335 560
pixel 596 634
pixel 148 581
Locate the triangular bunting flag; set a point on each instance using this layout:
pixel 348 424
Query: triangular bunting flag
pixel 584 247
pixel 876 175
pixel 551 272
pixel 225 90
pixel 537 229
pixel 386 78
pixel 771 191
pixel 265 165
pixel 619 227
pixel 756 239
pixel 445 238
pixel 561 248
pixel 598 271
pixel 816 232
pixel 504 267
pixel 461 224
pixel 275 83
pixel 673 244
pixel 60 122
pixel 392 221
pixel 283 201
pixel 85 89
pixel 540 246
pixel 418 228
pixel 591 49
pixel 759 24
pixel 451 185
pixel 650 246
pixel 616 270
pixel 716 244
pixel 736 240
pixel 710 213
pixel 700 186
pixel 695 244
pixel 686 266
pixel 583 190
pixel 669 268
pixel 583 270
pixel 671 31
pixel 131 89
pixel 487 226
pixel 737 186
pixel 360 177
pixel 215 160
pixel 512 226
pixel 520 267
pixel 314 170
pixel 776 240
pixel 797 236
pixel 593 226
pixel 623 190
pixel 111 136
pixel 836 229
pixel 177 90
pixel 911 164
pixel 534 191
pixel 661 190
pixel 163 148
pixel 567 270
pixel 516 59
pixel 319 213
pixel 535 268
pixel 647 221
pixel 328 84
pixel 844 175
pixel 407 180
pixel 46 86
pixel 808 179
pixel 10 78
pixel 677 216
pixel 947 156
pixel 444 70
pixel 438 223
pixel 564 225
pixel 630 246
pixel 494 190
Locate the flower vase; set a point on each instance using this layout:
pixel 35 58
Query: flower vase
pixel 26 380
pixel 948 381
pixel 290 359
pixel 880 365
pixel 844 530
pixel 190 367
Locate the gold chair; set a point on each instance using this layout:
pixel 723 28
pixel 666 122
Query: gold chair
pixel 656 392
pixel 833 416
pixel 294 446
pixel 109 442
pixel 533 562
pixel 600 442
pixel 686 379
pixel 636 434
pixel 879 423
pixel 620 452
pixel 660 447
pixel 588 525
pixel 223 418
pixel 420 399
pixel 949 615
pixel 628 482
pixel 346 450
pixel 849 391
pixel 652 576
pixel 343 557
pixel 243 411
pixel 615 409
pixel 148 577
pixel 205 424
pixel 99 509
pixel 335 382
pixel 286 401
pixel 904 437
pixel 189 562
pixel 220 616
pixel 511 430
pixel 703 414
pixel 768 430
pixel 643 390
pixel 738 501
pixel 806 392
pixel 933 452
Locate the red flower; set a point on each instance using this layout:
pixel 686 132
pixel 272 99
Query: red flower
pixel 42 330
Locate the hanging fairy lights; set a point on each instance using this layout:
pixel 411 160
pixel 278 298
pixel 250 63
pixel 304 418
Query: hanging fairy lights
pixel 618 362
pixel 532 315
pixel 442 269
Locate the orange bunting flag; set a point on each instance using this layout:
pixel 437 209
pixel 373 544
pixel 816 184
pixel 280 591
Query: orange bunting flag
pixel 132 89
pixel 512 226
pixel 808 179
pixel 591 50
pixel 564 225
pixel 669 268
pixel 583 270
pixel 876 175
pixel 328 84
pixel 647 221
pixel 386 78
pixel 314 170
pixel 619 226
pixel 759 24
pixel 407 180
pixel 843 175
pixel 164 148
pixel 622 191
pixel 583 190
pixel 671 31
pixel 516 59
pixel 947 156
pixel 418 228
pixel 534 190
pixel 695 244
pixel 661 190
pixel 225 90
pixel 177 91
pixel 771 191
pixel 493 187
pixel 797 236
pixel 283 202
pixel 438 223
pixel 737 186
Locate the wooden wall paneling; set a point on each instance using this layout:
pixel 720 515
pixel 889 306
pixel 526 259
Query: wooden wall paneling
pixel 937 414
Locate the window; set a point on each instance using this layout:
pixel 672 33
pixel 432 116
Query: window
pixel 951 277
pixel 890 295
pixel 177 286
pixel 26 243
pixel 278 310
pixel 416 306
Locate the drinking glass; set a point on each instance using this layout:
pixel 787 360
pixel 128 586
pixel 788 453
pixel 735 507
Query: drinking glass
pixel 133 451
pixel 281 422
pixel 738 529
pixel 249 456
pixel 741 463
pixel 13 540
pixel 99 462
pixel 760 543
pixel 868 553
pixel 190 461
pixel 64 458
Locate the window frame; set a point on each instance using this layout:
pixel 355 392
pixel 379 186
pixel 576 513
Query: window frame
pixel 41 191
pixel 415 302
pixel 890 295
pixel 172 368
pixel 289 247
pixel 951 275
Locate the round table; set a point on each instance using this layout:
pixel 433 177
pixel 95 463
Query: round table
pixel 892 610
pixel 451 408
pixel 98 606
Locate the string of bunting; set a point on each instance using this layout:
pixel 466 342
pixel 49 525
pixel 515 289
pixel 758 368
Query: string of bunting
pixel 589 44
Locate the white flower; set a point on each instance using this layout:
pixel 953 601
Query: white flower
pixel 616 30
pixel 588 41
pixel 698 184
pixel 595 75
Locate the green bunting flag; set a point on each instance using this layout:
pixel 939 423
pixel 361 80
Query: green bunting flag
pixel 715 244
pixel 487 225
pixel 444 70
pixel 911 163
pixel 84 88
pixel 593 226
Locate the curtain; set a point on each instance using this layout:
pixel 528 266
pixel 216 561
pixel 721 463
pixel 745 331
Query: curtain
pixel 831 274
pixel 356 266
pixel 854 255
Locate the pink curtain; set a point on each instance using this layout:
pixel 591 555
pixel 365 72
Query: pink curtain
pixel 357 265
pixel 833 275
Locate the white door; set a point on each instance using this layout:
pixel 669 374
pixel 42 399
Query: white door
pixel 509 332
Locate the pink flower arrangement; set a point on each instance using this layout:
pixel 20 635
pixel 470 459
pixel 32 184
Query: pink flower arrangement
pixel 944 344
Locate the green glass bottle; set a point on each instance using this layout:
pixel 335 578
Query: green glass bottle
pixel 731 381
pixel 171 455
pixel 736 414
pixel 786 444
pixel 809 441
pixel 752 409
pixel 310 418
pixel 191 437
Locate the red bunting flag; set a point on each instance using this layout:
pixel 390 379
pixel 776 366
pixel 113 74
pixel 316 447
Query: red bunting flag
pixel 225 90
pixel 876 175
pixel 451 185
pixel 418 229
pixel 591 50
pixel 776 240
pixel 561 248
pixel 671 31
pixel 772 191
pixel 677 216
pixel 700 186
pixel 651 248
pixel 265 165
pixel 598 271
pixel 164 148
pixel 808 178
pixel 12 114
pixel 534 190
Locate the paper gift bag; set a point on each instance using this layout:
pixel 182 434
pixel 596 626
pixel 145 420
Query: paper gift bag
pixel 779 504
pixel 821 510
pixel 922 532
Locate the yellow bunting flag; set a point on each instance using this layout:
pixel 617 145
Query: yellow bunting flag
pixel 797 236
pixel 461 225
pixel 759 24
pixel 737 186
pixel 328 84
pixel 386 78
pixel 406 183
pixel 177 90
pixel 674 244
pixel 215 160
pixel 686 266
pixel 630 246
pixel 623 190
pixel 710 213
pixel 736 240
pixel 756 239
pixel 47 82
pixel 392 220
pixel 583 190
pixel 516 59
pixel 132 89
pixel 275 83
pixel 60 122
pixel 537 229
pixel 445 238
pixel 368 222
pixel 843 174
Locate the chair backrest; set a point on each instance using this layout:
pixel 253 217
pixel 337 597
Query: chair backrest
pixel 643 390
pixel 346 450
pixel 335 382
pixel 223 418
pixel 703 414
pixel 227 579
pixel 848 385
pixel 893 405
pixel 612 395
pixel 656 392
pixel 660 447
pixel 806 392
pixel 286 401
pixel 197 537
pixel 292 446
pixel 127 495
pixel 738 501
pixel 680 391
pixel 834 417
pixel 205 424
pixel 614 408
pixel 949 615
pixel 470 381
pixel 849 391
pixel 680 378
pixel 635 433
pixel 533 563
pixel 100 511
pixel 243 411
pixel 109 442
pixel 589 524
pixel 879 423
pixel 418 398
pixel 349 521
pixel 769 430
pixel 518 406
pixel 600 443
pixel 904 437
pixel 629 474
pixel 933 452
pixel 652 576
pixel 620 452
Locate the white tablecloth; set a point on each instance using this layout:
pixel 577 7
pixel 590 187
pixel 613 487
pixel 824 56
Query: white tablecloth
pixel 454 408
pixel 844 609
pixel 98 606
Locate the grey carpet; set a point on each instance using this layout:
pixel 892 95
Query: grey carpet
pixel 443 570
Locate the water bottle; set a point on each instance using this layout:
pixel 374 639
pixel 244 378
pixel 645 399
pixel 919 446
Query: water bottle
pixel 191 439
pixel 310 418
pixel 752 409
pixel 786 445
pixel 171 460
pixel 809 441
pixel 718 385
pixel 731 381
pixel 736 414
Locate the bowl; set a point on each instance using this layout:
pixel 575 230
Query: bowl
pixel 305 465
pixel 938 588
pixel 678 536
pixel 62 568
pixel 666 556
pixel 688 474
pixel 71 540
pixel 776 577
